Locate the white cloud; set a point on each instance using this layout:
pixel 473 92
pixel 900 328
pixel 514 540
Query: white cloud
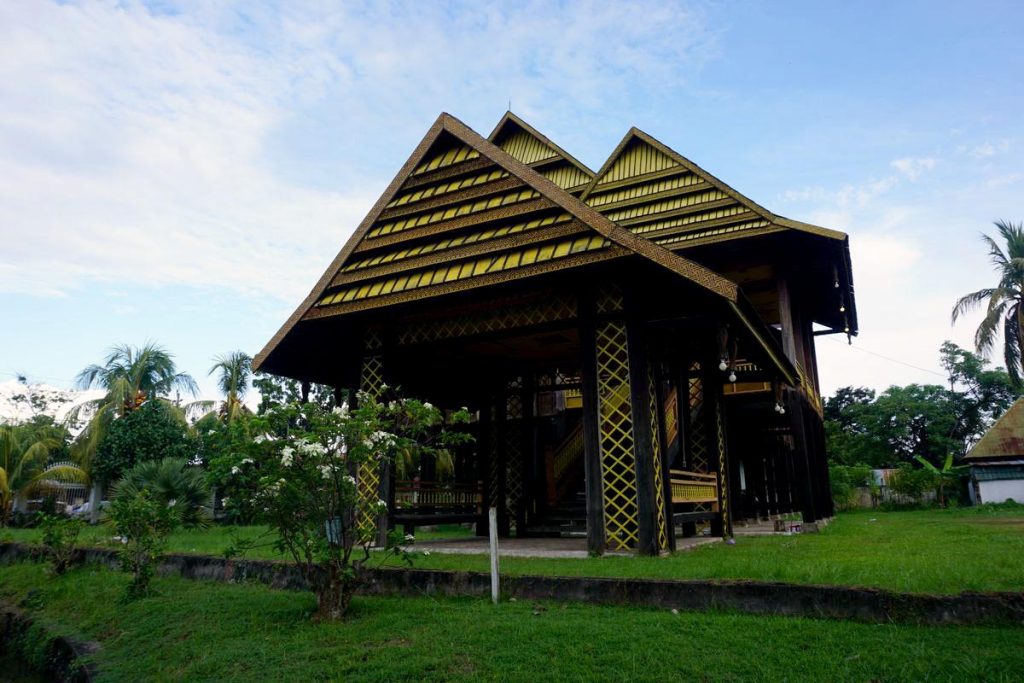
pixel 141 147
pixel 912 168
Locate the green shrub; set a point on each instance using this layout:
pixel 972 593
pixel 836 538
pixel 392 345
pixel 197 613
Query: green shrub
pixel 172 482
pixel 845 480
pixel 143 524
pixel 60 538
pixel 911 482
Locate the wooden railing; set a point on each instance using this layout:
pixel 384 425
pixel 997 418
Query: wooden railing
pixel 807 387
pixel 694 487
pixel 443 496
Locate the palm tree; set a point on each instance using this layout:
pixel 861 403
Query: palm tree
pixel 24 463
pixel 172 482
pixel 234 373
pixel 131 376
pixel 1003 303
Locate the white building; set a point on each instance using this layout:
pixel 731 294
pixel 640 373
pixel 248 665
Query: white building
pixel 997 460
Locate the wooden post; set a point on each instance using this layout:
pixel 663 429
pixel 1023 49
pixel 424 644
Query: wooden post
pixel 591 429
pixel 801 459
pixel 492 519
pixel 639 385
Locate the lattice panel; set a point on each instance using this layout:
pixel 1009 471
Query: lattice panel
pixel 698 432
pixel 513 450
pixel 610 300
pixel 723 476
pixel 659 472
pixel 618 469
pixel 369 477
pixel 560 307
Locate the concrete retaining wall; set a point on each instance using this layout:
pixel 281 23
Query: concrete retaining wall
pixel 753 597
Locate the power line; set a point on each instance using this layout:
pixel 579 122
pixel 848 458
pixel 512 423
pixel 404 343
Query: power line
pixel 892 360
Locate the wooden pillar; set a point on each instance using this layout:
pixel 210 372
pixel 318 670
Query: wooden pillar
pixel 591 429
pixel 803 471
pixel 373 482
pixel 652 525
pixel 663 477
pixel 719 456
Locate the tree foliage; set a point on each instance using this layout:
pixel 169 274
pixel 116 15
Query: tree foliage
pixel 1002 303
pixel 925 420
pixel 153 431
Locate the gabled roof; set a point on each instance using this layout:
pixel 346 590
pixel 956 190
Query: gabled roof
pixel 660 195
pixel 528 145
pixel 1005 438
pixel 436 194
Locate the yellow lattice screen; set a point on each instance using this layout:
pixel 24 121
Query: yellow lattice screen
pixel 618 470
pixel 659 473
pixel 368 479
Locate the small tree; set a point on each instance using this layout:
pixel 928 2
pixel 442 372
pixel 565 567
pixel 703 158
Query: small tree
pixel 60 538
pixel 143 524
pixel 308 486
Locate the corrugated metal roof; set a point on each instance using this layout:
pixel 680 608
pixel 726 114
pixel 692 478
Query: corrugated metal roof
pixel 1005 437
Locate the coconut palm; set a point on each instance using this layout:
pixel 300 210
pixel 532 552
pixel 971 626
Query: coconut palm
pixel 130 376
pixel 234 372
pixel 1003 303
pixel 25 462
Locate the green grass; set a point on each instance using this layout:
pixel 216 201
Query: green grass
pixel 201 631
pixel 927 551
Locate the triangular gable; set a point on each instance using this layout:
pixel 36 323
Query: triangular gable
pixel 526 144
pixel 449 152
pixel 657 193
pixel 1005 438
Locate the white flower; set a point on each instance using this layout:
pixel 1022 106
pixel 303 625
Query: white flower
pixel 286 456
pixel 235 470
pixel 225 501
pixel 341 410
pixel 426 553
pixel 247 461
pixel 410 537
pixel 350 479
pixel 427 405
pixel 327 471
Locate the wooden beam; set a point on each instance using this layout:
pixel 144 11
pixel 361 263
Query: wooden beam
pixel 591 428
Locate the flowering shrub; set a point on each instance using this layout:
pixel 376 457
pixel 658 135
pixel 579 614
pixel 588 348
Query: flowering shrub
pixel 309 480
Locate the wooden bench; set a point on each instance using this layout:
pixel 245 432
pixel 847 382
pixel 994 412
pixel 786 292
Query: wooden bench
pixel 425 503
pixel 694 488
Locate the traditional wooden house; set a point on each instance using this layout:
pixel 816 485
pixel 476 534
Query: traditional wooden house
pixel 638 344
pixel 997 460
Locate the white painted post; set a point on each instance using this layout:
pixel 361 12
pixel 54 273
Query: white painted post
pixel 492 518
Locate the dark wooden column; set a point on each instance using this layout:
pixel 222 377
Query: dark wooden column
pixel 718 458
pixel 646 451
pixel 591 429
pixel 803 471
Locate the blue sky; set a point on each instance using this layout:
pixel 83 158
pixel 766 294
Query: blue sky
pixel 183 172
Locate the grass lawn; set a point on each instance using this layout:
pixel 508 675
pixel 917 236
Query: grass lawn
pixel 202 631
pixel 927 551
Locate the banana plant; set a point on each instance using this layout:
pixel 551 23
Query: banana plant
pixel 949 472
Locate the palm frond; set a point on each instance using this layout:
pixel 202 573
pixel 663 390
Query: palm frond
pixel 971 301
pixel 1011 344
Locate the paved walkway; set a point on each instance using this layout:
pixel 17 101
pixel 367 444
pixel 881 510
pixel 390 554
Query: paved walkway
pixel 535 547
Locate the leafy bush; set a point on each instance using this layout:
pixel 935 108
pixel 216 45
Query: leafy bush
pixel 143 525
pixel 60 538
pixel 845 480
pixel 912 483
pixel 173 483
